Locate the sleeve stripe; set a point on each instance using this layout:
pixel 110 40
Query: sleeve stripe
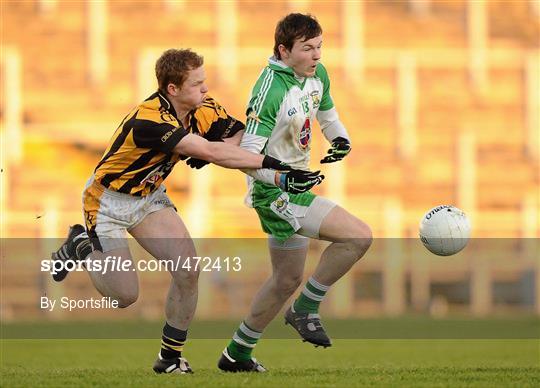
pixel 259 102
pixel 252 124
pixel 264 91
pixel 260 91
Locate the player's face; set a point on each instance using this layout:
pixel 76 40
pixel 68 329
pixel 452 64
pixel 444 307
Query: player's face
pixel 193 90
pixel 304 56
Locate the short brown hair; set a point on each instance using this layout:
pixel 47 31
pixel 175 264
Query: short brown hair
pixel 173 65
pixel 295 26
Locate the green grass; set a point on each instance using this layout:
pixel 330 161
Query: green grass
pixel 359 362
pixel 406 327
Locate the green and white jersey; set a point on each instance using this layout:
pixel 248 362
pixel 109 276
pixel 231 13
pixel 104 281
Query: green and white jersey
pixel 280 115
pixel 282 108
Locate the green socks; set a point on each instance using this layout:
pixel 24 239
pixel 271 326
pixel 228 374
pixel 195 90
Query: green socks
pixel 310 298
pixel 243 342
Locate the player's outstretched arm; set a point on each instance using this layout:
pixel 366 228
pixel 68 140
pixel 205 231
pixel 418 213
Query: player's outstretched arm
pixel 226 155
pixel 199 163
pixel 236 139
pixel 294 181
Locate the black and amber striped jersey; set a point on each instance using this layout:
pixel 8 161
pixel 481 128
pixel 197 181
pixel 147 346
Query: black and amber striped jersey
pixel 140 154
pixel 212 121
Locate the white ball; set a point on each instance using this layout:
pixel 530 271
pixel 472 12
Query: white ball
pixel 445 230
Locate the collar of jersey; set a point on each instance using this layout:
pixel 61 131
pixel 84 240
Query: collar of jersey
pixel 278 65
pixel 166 104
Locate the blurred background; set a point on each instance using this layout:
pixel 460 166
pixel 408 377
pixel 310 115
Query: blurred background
pixel 441 99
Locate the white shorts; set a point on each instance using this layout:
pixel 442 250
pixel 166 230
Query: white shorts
pixel 310 224
pixel 109 214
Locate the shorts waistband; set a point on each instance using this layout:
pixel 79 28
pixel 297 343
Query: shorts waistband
pixel 111 193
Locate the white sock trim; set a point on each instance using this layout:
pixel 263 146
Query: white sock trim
pixel 240 341
pixel 311 295
pixel 318 285
pixel 250 333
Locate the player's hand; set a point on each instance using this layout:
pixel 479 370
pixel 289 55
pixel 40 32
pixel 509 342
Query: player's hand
pixel 298 181
pixel 275 164
pixel 199 163
pixel 340 148
pixel 196 163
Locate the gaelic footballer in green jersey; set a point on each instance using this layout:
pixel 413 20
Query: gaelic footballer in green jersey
pixel 290 94
pixel 280 116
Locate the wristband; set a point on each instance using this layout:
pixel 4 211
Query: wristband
pixel 283 181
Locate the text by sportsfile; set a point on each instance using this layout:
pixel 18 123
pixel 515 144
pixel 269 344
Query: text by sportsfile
pixel 69 304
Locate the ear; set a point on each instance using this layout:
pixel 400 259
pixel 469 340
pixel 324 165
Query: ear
pixel 283 52
pixel 172 89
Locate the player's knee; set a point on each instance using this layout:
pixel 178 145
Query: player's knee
pixel 361 238
pixel 185 278
pixel 286 285
pixel 365 238
pixel 192 277
pixel 127 298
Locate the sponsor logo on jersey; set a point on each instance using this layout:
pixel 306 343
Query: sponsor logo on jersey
pixel 304 136
pixel 227 131
pixel 165 137
pixel 156 174
pixel 292 111
pixel 153 179
pixel 164 202
pixel 167 117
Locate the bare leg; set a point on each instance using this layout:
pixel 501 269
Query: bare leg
pixel 287 270
pixel 122 286
pixel 350 238
pixel 164 236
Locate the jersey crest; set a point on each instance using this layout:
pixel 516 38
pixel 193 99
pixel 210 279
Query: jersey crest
pixel 304 134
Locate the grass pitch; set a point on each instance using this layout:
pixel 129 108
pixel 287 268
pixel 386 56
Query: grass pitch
pixel 291 363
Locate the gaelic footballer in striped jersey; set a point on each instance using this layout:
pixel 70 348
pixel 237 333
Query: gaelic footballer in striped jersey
pixel 126 192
